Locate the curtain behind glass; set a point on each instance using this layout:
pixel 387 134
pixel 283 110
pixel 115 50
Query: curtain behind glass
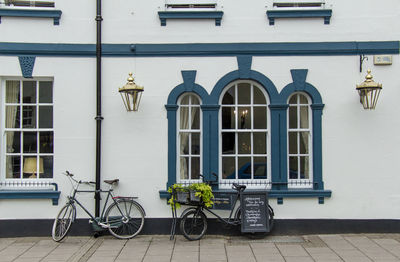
pixel 12 92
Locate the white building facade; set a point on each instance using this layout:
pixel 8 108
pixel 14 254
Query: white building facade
pixel 261 93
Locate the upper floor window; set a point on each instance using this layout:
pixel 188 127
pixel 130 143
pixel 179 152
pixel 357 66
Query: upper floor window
pixel 25 3
pixel 190 5
pixel 299 141
pixel 244 133
pixel 28 128
pixel 298 4
pixel 189 138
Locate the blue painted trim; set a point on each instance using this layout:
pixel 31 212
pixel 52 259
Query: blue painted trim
pixel 31 194
pixel 34 13
pixel 27 63
pixel 188 85
pixel 278 194
pixel 202 50
pixel 326 14
pixel 300 85
pixel 164 15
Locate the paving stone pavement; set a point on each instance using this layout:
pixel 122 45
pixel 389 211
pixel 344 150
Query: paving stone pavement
pixel 158 248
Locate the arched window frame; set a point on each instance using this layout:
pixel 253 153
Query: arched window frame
pixel 250 182
pixel 190 155
pixel 297 152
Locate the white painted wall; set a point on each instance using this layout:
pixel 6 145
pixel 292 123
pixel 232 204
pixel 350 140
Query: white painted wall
pixel 138 22
pixel 360 148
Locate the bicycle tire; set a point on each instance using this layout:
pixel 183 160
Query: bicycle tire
pixel 193 224
pixel 125 218
pixel 62 223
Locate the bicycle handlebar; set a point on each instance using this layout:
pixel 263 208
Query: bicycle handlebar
pixel 70 175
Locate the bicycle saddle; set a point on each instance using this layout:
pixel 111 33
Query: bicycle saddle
pixel 238 187
pixel 111 181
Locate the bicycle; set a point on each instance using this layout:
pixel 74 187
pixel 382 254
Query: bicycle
pixel 193 223
pixel 124 217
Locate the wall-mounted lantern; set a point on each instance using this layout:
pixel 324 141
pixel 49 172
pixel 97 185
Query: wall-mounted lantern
pixel 369 92
pixel 131 94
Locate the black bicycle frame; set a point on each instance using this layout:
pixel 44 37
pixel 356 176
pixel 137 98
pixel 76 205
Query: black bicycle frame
pixel 73 200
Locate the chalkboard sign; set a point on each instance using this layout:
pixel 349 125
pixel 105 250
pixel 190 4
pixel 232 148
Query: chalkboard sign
pixel 254 211
pixel 222 201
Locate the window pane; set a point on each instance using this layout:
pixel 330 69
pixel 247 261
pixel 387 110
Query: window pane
pixel 185 100
pixel 46 142
pixel 304 167
pixel 244 142
pixel 260 117
pixel 47 162
pixel 13 142
pixel 244 93
pixel 258 96
pixel 304 142
pixel 304 117
pixel 229 97
pixel 195 168
pixel 244 166
pixel 29 116
pixel 293 99
pixel 30 167
pixel 293 167
pixel 45 92
pixel 228 168
pixel 293 143
pixel 195 144
pixel 12 92
pixel 260 145
pixel 184 146
pixel 184 118
pixel 195 100
pixel 260 168
pixel 292 117
pixel 30 142
pixel 12 117
pixel 13 165
pixel 303 99
pixel 195 118
pixel 228 143
pixel 29 92
pixel 45 116
pixel 184 166
pixel 244 118
pixel 228 118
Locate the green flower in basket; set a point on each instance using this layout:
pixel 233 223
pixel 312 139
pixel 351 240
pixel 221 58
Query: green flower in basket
pixel 203 191
pixel 179 194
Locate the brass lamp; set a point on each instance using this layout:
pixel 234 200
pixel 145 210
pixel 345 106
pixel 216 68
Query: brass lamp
pixel 369 91
pixel 131 94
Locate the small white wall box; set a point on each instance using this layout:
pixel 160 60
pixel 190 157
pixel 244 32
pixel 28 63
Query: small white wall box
pixel 382 59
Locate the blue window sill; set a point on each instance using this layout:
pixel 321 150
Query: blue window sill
pixel 54 195
pixel 326 14
pixel 164 15
pixel 278 194
pixel 40 13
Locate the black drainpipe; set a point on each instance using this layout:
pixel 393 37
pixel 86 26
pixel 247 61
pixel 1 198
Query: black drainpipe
pixel 98 117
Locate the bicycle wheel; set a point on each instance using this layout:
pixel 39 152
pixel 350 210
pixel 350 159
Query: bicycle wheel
pixel 125 217
pixel 63 221
pixel 193 224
